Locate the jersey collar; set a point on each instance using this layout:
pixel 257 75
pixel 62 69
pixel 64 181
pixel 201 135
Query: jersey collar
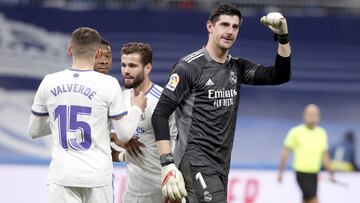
pixel 209 59
pixel 73 69
pixel 151 86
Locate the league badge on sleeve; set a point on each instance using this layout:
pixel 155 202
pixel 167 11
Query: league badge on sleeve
pixel 173 82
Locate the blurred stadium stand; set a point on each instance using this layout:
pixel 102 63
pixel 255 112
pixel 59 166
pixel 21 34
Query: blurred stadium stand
pixel 294 7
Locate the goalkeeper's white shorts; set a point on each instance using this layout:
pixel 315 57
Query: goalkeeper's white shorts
pixel 64 194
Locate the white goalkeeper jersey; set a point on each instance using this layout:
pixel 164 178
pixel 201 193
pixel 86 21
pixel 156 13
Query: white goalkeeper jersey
pixel 144 172
pixel 79 105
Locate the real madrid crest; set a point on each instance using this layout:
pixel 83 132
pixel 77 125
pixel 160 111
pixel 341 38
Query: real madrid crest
pixel 207 196
pixel 233 79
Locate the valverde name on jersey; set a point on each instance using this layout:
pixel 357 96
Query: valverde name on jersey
pixel 73 88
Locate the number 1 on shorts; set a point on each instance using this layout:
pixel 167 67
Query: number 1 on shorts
pixel 200 178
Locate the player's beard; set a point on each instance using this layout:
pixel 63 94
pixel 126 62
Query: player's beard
pixel 136 81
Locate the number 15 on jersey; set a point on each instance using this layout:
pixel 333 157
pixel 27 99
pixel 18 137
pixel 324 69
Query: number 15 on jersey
pixel 67 119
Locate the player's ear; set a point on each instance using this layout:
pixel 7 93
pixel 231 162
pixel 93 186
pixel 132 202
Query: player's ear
pixel 148 68
pixel 97 54
pixel 69 50
pixel 209 26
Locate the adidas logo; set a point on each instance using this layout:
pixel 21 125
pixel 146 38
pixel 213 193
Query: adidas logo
pixel 209 83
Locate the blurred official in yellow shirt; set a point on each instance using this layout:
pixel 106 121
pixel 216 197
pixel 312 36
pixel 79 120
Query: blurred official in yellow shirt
pixel 309 144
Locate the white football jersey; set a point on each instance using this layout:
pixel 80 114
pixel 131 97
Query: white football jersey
pixel 80 105
pixel 144 172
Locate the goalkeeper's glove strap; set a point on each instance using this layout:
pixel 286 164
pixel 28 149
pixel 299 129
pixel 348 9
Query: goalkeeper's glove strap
pixel 283 39
pixel 166 159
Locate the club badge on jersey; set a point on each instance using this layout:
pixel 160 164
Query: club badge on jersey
pixel 233 79
pixel 173 82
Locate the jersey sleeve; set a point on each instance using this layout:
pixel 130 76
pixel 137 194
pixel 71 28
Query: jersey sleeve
pixel 247 71
pixel 290 140
pixel 172 127
pixel 180 83
pixel 255 74
pixel 39 107
pixel 116 104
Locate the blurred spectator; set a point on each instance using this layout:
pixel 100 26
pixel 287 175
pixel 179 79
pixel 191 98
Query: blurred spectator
pixel 186 4
pixel 343 154
pixel 303 7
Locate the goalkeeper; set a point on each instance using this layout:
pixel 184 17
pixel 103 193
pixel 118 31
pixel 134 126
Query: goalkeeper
pixel 204 89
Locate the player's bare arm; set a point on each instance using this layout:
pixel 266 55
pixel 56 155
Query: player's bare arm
pixel 283 159
pixel 164 146
pixel 326 163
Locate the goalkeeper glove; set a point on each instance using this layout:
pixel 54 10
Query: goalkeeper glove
pixel 173 185
pixel 277 23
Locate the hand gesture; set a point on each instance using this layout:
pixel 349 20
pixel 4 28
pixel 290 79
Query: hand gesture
pixel 276 22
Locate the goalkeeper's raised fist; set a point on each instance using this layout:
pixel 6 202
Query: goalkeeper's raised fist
pixel 276 22
pixel 173 185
